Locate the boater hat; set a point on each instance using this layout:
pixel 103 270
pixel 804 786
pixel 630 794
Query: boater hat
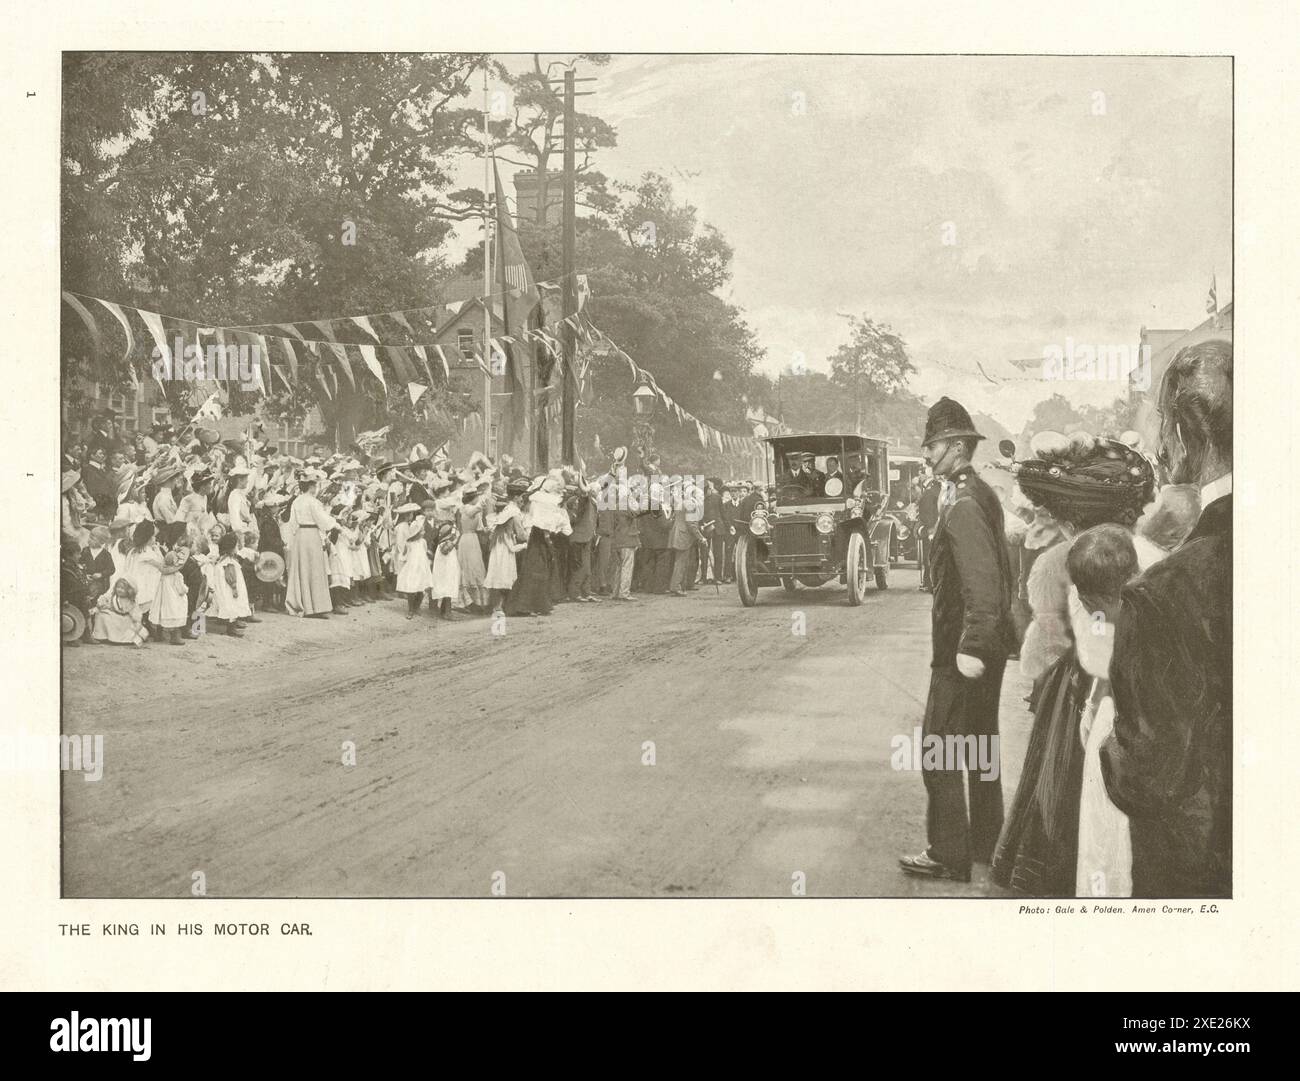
pixel 72 623
pixel 948 420
pixel 269 567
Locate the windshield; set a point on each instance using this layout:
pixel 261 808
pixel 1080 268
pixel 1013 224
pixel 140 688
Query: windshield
pixel 821 468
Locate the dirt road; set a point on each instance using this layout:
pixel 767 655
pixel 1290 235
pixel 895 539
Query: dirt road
pixel 518 761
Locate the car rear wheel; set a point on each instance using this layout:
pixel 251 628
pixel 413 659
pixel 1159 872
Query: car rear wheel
pixel 744 577
pixel 857 570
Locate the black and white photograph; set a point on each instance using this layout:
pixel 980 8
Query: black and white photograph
pixel 646 475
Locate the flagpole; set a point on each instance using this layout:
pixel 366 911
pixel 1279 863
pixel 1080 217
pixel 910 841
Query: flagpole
pixel 487 280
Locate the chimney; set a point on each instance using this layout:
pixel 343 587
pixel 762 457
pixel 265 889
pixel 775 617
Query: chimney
pixel 528 190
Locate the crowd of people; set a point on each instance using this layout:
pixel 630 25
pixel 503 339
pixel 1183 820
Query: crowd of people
pixel 1122 560
pixel 170 535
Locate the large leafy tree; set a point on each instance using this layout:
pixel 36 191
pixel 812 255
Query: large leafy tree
pixel 239 188
pixel 654 271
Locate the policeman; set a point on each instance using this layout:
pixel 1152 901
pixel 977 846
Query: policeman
pixel 972 632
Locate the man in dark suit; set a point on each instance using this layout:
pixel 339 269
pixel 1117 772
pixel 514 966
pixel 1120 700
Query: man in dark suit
pixel 1168 763
pixel 971 631
pixel 581 506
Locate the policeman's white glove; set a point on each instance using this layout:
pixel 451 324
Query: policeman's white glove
pixel 970 667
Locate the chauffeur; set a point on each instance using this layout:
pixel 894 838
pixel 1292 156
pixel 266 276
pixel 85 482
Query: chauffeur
pixel 972 632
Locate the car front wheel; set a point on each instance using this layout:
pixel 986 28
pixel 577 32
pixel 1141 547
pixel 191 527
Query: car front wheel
pixel 744 574
pixel 857 571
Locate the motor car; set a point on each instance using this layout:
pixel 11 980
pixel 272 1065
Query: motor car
pixel 825 517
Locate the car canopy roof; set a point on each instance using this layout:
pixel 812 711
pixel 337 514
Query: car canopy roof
pixel 822 444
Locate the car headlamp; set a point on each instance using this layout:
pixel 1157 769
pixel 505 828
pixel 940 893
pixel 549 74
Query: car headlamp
pixel 825 523
pixel 758 525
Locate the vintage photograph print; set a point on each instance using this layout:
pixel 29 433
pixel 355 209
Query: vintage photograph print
pixel 646 476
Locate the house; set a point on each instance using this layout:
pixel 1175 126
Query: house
pixel 1144 381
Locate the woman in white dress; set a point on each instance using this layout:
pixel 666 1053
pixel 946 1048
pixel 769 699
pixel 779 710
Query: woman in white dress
pixel 308 593
pixel 411 556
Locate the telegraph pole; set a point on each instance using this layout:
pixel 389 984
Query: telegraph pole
pixel 487 277
pixel 569 337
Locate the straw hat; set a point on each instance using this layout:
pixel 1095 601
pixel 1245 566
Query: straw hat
pixel 72 623
pixel 408 508
pixel 269 567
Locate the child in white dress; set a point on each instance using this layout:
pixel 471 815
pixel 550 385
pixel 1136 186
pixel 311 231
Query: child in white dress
pixel 229 595
pixel 445 587
pixel 411 556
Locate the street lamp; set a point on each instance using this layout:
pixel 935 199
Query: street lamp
pixel 643 400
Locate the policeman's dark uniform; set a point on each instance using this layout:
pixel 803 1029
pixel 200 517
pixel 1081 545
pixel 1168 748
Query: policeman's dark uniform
pixel 927 516
pixel 972 615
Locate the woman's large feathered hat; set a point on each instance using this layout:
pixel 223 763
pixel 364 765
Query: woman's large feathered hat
pixel 1086 480
pixel 948 420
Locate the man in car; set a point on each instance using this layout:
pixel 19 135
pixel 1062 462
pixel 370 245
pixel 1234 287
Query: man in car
pixel 805 474
pixel 833 472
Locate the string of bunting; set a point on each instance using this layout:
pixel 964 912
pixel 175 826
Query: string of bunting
pixel 706 433
pixel 319 338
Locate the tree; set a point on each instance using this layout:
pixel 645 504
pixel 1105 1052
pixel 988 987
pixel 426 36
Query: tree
pixel 537 109
pixel 872 366
pixel 1059 414
pixel 239 188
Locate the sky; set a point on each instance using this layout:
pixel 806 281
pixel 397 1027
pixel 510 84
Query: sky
pixel 985 208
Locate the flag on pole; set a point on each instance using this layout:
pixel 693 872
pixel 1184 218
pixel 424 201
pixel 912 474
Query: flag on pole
pixel 519 296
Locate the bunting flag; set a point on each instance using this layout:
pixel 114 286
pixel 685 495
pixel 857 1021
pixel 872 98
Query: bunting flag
pixel 88 319
pixel 446 368
pixel 125 323
pixel 341 355
pixel 287 346
pixel 155 324
pixel 264 367
pixel 401 362
pixel 372 362
pixel 210 409
pixel 364 324
pixel 320 378
pixel 400 319
pixel 415 390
